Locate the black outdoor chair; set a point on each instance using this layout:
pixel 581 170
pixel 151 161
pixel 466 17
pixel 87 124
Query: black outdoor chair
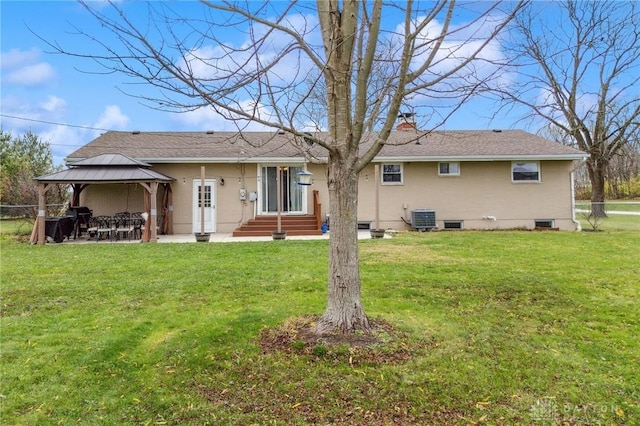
pixel 101 226
pixel 137 221
pixel 123 225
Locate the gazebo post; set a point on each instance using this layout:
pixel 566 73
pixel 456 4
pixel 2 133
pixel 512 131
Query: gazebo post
pixel 42 212
pixel 167 209
pixel 153 216
pixel 77 189
pixel 169 217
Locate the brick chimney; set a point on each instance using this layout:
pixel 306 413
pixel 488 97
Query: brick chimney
pixel 406 122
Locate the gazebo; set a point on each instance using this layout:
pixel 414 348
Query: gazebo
pixel 109 169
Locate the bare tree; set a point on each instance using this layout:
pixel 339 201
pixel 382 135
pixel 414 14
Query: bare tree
pixel 579 69
pixel 289 52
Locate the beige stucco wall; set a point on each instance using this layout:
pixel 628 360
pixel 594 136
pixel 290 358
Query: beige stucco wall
pixel 230 210
pixel 482 189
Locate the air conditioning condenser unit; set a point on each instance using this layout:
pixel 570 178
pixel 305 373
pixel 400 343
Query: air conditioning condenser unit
pixel 423 219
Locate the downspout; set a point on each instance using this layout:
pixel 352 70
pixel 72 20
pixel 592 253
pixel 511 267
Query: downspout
pixel 376 178
pixel 573 204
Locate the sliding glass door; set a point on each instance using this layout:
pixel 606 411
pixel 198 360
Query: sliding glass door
pixel 292 194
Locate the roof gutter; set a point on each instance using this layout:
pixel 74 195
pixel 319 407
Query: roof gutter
pixel 510 157
pixel 378 159
pixel 225 160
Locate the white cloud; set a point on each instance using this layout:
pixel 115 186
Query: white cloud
pixel 202 118
pixel 207 119
pixel 462 41
pixel 236 59
pixel 53 104
pixel 16 58
pixel 101 4
pixel 24 68
pixel 51 109
pixel 31 75
pixel 112 119
pixel 203 62
pixel 39 118
pixel 586 105
pixel 64 140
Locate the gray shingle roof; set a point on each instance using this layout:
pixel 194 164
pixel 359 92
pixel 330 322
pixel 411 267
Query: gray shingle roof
pixel 157 147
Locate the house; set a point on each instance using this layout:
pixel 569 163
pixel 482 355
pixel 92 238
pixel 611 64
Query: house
pixel 491 179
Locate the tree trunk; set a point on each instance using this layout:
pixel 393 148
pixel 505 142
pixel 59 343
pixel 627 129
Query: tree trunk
pixel 597 176
pixel 344 312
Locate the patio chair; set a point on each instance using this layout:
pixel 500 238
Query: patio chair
pixel 101 225
pixel 123 225
pixel 137 221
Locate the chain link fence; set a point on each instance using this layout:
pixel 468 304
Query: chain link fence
pixel 610 215
pixel 28 211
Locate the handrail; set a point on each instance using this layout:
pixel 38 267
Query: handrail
pixel 317 211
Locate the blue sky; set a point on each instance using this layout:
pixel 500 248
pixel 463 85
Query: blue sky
pixel 51 95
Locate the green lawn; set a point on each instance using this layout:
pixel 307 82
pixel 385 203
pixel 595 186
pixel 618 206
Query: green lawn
pixel 501 328
pixel 11 227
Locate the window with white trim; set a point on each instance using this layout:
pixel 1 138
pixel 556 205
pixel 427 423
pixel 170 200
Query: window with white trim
pixel 449 168
pixel 525 171
pixel 392 174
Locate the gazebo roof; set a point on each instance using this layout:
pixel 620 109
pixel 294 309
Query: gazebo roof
pixel 110 160
pixel 106 168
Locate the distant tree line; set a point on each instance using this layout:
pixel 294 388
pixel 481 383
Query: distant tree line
pixel 22 158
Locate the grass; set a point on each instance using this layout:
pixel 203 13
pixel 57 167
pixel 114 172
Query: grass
pixel 501 328
pixel 613 222
pixel 10 228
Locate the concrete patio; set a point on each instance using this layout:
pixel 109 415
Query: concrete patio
pixel 215 238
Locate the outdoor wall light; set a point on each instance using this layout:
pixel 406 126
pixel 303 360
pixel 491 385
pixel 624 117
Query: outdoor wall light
pixel 222 181
pixel 304 177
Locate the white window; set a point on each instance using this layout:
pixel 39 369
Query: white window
pixel 451 168
pixel 392 174
pixel 525 171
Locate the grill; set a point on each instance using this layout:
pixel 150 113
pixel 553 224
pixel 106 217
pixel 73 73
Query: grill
pixel 80 216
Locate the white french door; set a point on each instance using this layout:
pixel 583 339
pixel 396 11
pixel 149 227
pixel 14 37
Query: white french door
pixel 209 205
pixel 293 195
